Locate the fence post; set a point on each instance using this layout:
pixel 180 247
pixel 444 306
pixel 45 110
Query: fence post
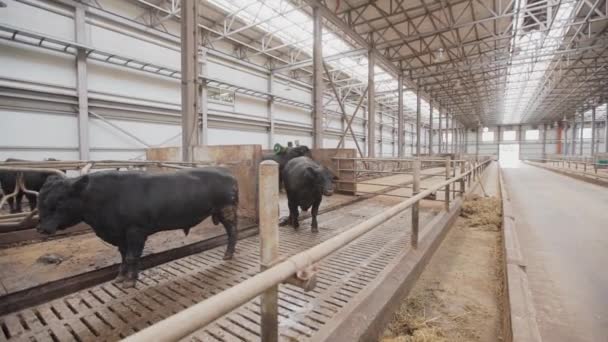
pixel 462 171
pixel 415 206
pixel 447 187
pixel 469 168
pixel 269 244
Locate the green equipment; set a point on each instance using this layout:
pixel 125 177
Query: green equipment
pixel 279 149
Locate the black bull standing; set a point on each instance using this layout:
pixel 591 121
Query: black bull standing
pixel 124 208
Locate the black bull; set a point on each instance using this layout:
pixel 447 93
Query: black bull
pixel 124 208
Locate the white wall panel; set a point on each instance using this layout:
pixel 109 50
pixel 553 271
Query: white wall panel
pixel 103 135
pixel 284 138
pixel 38 20
pixel 291 113
pixel 128 46
pixel 118 81
pixel 236 76
pixel 34 65
pixel 230 137
pixel 251 106
pixel 37 129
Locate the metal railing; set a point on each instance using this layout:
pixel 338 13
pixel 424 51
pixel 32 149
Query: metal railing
pixel 298 269
pixel 357 173
pixel 587 167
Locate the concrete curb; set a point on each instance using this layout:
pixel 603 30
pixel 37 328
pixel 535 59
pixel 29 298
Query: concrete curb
pixel 520 314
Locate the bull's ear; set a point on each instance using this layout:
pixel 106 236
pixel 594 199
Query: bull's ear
pixel 80 184
pixel 310 171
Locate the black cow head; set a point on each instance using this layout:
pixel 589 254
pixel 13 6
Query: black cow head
pixel 60 203
pixel 324 178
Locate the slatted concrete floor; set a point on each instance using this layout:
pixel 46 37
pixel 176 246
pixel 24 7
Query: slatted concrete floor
pixel 108 312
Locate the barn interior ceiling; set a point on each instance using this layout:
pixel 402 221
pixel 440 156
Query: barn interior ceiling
pixel 487 62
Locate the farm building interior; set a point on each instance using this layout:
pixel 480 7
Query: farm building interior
pixel 446 162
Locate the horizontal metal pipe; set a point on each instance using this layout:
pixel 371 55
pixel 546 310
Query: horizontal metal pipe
pixel 191 319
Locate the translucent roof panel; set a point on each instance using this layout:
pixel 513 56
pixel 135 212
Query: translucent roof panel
pixel 293 26
pixel 537 48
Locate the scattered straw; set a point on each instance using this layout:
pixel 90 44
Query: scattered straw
pixel 483 213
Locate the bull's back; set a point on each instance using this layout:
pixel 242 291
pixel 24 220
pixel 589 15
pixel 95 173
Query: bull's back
pixel 161 201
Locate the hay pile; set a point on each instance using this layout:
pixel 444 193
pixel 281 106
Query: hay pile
pixel 424 317
pixel 484 213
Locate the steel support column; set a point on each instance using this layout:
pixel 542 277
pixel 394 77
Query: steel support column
pixel 440 137
pixel 498 143
pixel 431 128
pixel 573 140
pixel 519 140
pixel 581 133
pixel 477 133
pixel 82 84
pixel 566 147
pixel 592 130
pixel 544 151
pixel 400 119
pixel 190 79
pixel 371 106
pixel 203 96
pixel 606 129
pixel 317 75
pixel 270 108
pixel 418 122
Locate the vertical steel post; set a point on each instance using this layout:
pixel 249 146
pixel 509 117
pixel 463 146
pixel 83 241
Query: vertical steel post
pixel 416 206
pixel 270 109
pixel 477 133
pixel 573 140
pixel 204 103
pixel 190 80
pixel 440 137
pixel 606 129
pixel 566 147
pixel 418 121
pixel 269 244
pixel 581 133
pixel 593 131
pixel 498 142
pixel 544 152
pixel 400 118
pixel 462 185
pixel 431 128
pixel 448 171
pixel 371 106
pixel 317 62
pixel 82 84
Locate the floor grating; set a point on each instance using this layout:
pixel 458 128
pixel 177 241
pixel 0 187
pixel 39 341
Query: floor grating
pixel 108 312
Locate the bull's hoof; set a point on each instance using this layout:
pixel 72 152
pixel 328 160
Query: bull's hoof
pixel 120 278
pixel 128 284
pixel 314 229
pixel 228 256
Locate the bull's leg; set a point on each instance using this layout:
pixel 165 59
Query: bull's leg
pixel 33 201
pixel 315 210
pixel 228 218
pixel 11 204
pixel 135 247
pixel 293 214
pixel 122 269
